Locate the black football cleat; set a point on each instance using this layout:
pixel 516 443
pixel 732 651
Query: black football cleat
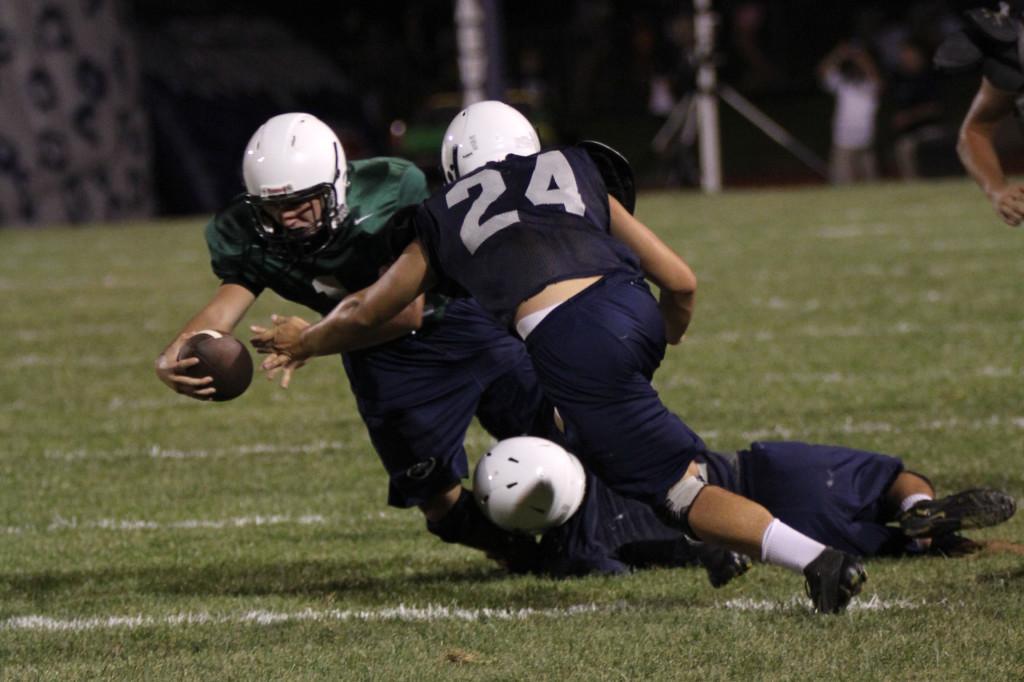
pixel 976 508
pixel 952 546
pixel 721 564
pixel 833 579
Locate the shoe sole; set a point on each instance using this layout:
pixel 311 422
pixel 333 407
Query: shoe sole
pixel 848 589
pixel 854 585
pixel 979 508
pixel 722 574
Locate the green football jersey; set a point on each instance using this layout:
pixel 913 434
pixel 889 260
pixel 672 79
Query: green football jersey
pixel 352 261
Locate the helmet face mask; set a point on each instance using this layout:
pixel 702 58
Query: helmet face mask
pixel 294 166
pixel 297 238
pixel 528 484
pixel 483 132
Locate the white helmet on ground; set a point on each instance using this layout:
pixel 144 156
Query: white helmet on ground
pixel 529 484
pixel 292 159
pixel 483 132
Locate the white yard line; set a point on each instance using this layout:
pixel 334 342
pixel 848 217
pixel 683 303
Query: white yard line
pixel 60 523
pixel 160 452
pixel 36 360
pixel 777 431
pixel 854 231
pixel 400 613
pixel 815 330
pixel 800 603
pixel 849 426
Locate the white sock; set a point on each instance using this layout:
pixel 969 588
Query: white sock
pixel 784 546
pixel 910 500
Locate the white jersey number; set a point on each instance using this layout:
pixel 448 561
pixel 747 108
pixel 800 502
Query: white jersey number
pixel 552 182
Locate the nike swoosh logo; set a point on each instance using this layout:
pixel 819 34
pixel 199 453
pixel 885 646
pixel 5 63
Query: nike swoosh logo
pixel 361 219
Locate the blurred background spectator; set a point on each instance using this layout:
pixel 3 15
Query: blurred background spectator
pixel 850 74
pixel 749 23
pixel 916 118
pixel 672 82
pixel 124 108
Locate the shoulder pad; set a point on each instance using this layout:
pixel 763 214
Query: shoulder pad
pixel 992 25
pixel 615 171
pixel 1004 73
pixel 958 53
pixel 990 40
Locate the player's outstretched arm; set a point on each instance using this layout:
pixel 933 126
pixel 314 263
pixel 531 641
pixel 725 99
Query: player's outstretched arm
pixel 663 266
pixel 223 312
pixel 409 319
pixel 283 329
pixel 977 151
pixel 286 332
pixel 356 322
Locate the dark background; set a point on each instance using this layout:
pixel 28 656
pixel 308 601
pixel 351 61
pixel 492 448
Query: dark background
pixel 583 68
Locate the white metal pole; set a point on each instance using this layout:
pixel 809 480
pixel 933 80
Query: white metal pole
pixel 469 35
pixel 707 98
pixel 494 47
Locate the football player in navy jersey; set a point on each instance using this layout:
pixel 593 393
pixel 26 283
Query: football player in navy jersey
pixel 864 503
pixel 536 238
pixel 312 227
pixel 992 42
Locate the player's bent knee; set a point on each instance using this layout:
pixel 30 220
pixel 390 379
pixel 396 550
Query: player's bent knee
pixel 920 479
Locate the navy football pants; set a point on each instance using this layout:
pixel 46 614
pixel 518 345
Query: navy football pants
pixel 419 394
pixel 595 355
pixel 830 493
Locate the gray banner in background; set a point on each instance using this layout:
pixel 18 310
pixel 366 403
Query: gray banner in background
pixel 74 143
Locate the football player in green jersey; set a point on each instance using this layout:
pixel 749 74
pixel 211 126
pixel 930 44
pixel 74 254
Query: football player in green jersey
pixel 313 227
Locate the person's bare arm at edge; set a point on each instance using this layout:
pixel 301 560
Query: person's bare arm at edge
pixel 663 266
pixel 223 312
pixel 976 148
pixel 354 323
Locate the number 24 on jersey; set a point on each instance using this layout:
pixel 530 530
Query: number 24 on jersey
pixel 552 182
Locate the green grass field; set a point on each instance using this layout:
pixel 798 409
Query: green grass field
pixel 147 536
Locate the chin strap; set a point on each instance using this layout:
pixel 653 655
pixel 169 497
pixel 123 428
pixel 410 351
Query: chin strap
pixel 453 166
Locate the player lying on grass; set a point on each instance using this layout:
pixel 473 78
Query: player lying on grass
pixel 991 42
pixel 862 502
pixel 313 228
pixel 537 240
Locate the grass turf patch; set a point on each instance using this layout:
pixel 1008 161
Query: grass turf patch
pixel 146 535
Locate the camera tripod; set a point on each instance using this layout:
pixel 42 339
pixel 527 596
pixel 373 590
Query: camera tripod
pixel 694 117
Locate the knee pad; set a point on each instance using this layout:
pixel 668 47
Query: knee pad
pixel 675 508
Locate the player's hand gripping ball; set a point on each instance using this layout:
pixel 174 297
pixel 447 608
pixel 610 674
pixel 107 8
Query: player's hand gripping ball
pixel 222 357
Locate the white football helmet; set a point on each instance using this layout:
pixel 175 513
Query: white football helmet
pixel 529 484
pixel 292 159
pixel 483 132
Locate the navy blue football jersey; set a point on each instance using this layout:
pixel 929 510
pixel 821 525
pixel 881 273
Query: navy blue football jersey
pixel 504 232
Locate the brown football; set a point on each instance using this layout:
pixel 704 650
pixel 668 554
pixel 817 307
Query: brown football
pixel 222 357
